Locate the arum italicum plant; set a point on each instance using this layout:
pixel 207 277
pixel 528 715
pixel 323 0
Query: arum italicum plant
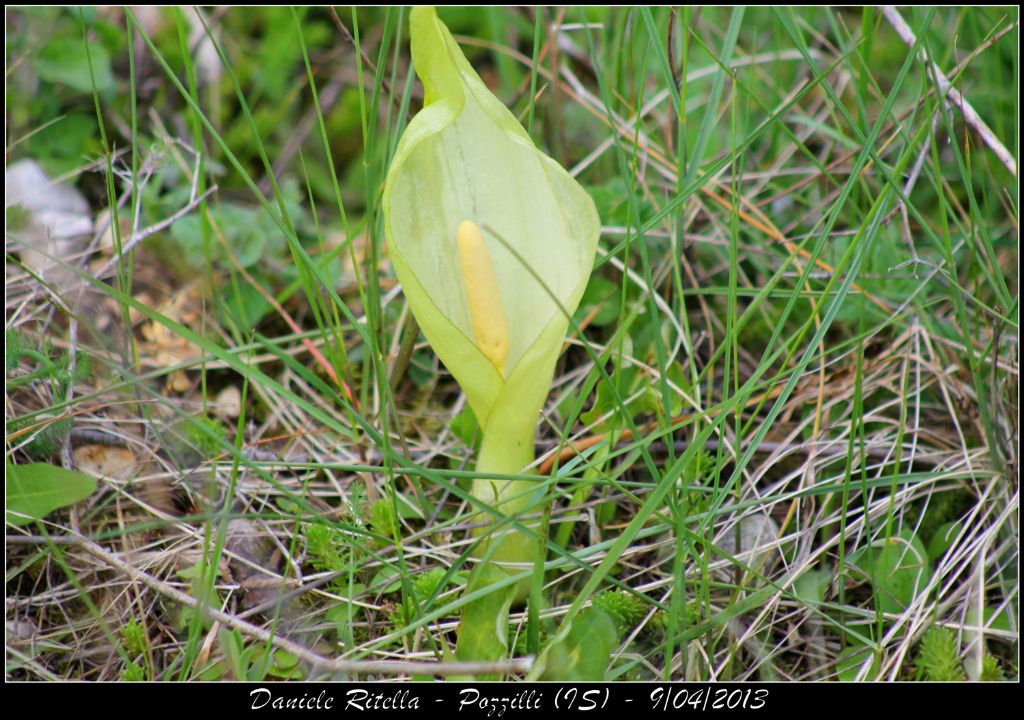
pixel 493 243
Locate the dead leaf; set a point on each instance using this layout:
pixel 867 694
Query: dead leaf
pixel 228 404
pixel 163 347
pixel 110 462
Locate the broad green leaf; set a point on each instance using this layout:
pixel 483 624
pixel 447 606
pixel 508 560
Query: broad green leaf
pixel 286 666
pixel 60 146
pixel 810 588
pixel 64 61
pixel 850 662
pixel 483 632
pixel 998 618
pixel 625 382
pixel 465 427
pixel 37 489
pixel 943 539
pixel 601 302
pixel 897 568
pixel 585 652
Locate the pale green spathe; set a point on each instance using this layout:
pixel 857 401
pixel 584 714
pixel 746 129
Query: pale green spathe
pixel 466 157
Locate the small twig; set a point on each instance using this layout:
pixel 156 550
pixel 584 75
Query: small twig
pixel 343 29
pixel 971 116
pixel 337 665
pixel 153 229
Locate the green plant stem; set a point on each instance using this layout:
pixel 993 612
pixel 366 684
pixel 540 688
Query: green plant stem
pixel 502 550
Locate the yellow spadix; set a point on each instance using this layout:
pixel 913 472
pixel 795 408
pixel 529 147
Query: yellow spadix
pixel 486 311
